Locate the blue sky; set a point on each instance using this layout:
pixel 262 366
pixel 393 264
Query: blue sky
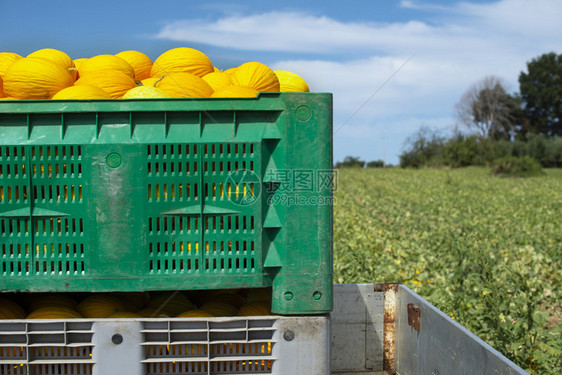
pixel 432 51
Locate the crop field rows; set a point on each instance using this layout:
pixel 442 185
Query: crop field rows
pixel 485 250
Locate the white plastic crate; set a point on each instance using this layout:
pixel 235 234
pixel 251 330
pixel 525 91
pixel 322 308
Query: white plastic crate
pixel 249 345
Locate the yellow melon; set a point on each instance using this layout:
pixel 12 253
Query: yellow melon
pixel 52 300
pixel 184 85
pixel 195 314
pixel 235 92
pixel 150 312
pixel 7 59
pixel 291 82
pixel 78 62
pixel 145 92
pixel 255 75
pixel 9 98
pixel 124 314
pixel 150 81
pixel 1 87
pixel 219 309
pixel 141 63
pixel 255 309
pixel 54 312
pixel 7 313
pixel 182 60
pixel 58 57
pixel 12 307
pixel 172 303
pixel 106 63
pixel 114 82
pixel 99 306
pixel 81 92
pixel 217 80
pixel 133 300
pixel 35 78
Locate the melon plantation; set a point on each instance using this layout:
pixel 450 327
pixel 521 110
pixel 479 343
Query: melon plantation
pixel 483 249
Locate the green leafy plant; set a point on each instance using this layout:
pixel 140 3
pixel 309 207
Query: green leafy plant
pixel 484 250
pixel 511 166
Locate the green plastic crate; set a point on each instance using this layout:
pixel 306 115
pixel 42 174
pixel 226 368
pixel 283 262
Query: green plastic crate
pixel 130 195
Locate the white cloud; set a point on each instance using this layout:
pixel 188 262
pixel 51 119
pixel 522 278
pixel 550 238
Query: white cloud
pixel 353 59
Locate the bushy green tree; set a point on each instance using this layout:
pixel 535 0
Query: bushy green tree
pixel 350 162
pixel 462 151
pixel 422 149
pixel 541 92
pixel 376 164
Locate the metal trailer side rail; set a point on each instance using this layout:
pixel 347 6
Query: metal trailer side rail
pixel 382 329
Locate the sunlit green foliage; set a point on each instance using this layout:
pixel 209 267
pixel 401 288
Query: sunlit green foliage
pixel 485 250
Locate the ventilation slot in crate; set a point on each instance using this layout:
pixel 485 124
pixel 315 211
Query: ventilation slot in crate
pixel 54 348
pixel 207 347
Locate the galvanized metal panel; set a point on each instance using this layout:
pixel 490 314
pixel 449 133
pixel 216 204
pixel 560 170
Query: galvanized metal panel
pixel 357 329
pixel 442 346
pixel 117 347
pixel 303 346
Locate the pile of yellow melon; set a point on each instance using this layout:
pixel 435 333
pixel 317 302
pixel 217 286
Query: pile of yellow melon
pixel 177 73
pixel 249 302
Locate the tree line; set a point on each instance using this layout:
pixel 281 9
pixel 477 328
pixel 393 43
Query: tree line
pixel 500 124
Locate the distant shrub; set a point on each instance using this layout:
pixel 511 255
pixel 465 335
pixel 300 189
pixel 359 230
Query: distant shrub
pixel 376 164
pixel 512 166
pixel 350 162
pixel 423 149
pixel 462 151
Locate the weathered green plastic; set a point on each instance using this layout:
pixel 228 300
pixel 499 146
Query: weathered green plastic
pixel 136 195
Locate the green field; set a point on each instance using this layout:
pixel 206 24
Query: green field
pixel 485 250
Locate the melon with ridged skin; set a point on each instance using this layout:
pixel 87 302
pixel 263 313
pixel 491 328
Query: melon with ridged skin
pixel 78 62
pixel 184 85
pixel 145 92
pixel 58 57
pixel 114 82
pixel 291 82
pixel 195 314
pixel 10 308
pixel 141 63
pixel 182 60
pixel 257 308
pixel 100 306
pixel 35 78
pixel 6 60
pixel 81 92
pixel 234 92
pixel 172 303
pixel 217 80
pixel 219 309
pixel 54 312
pixel 151 312
pixel 105 63
pixel 255 75
pixel 151 81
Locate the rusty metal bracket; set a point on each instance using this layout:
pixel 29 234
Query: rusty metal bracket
pixel 414 316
